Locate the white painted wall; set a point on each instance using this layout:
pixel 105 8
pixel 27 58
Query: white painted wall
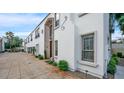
pixel 39 40
pixel 3 44
pixel 69 41
pixel 65 40
pixel 86 24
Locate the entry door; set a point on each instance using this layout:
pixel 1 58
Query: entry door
pixel 50 48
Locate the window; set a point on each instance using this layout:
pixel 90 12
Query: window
pixel 28 39
pixel 31 37
pixel 56 48
pixel 56 19
pixel 50 32
pixel 37 34
pixel 42 31
pixel 88 47
pixel 25 41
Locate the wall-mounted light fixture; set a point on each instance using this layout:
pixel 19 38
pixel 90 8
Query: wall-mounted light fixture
pixel 62 26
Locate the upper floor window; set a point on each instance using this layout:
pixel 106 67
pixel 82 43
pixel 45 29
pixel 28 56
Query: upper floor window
pixel 37 34
pixel 88 47
pixel 50 33
pixel 25 41
pixel 31 37
pixel 56 47
pixel 56 19
pixel 28 39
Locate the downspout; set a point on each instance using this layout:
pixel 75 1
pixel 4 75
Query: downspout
pixel 106 49
pixel 53 39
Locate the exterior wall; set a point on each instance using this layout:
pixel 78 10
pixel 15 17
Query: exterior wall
pixel 35 41
pixel 69 34
pixel 65 40
pixel 87 24
pixel 107 42
pixel 2 46
pixel 39 40
pixel 69 41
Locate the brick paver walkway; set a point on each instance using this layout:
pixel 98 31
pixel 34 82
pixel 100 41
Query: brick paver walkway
pixel 26 66
pixel 119 73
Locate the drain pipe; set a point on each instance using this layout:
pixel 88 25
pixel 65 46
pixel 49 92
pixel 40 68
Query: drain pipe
pixel 106 74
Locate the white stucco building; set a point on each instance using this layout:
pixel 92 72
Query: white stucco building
pixel 2 44
pixel 80 38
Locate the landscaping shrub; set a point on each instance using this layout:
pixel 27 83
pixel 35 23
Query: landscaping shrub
pixel 63 65
pixel 116 60
pixel 54 63
pixel 114 55
pixel 119 54
pixel 50 62
pixel 111 66
pixel 122 56
pixel 40 57
pixel 36 56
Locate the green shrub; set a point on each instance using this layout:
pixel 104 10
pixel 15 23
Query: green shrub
pixel 119 54
pixel 40 57
pixel 122 56
pixel 36 56
pixel 63 65
pixel 111 66
pixel 114 55
pixel 116 60
pixel 50 62
pixel 54 63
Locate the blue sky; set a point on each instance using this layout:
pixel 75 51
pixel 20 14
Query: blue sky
pixel 23 23
pixel 117 33
pixel 19 23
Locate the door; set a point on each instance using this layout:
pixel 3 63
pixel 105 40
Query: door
pixel 50 48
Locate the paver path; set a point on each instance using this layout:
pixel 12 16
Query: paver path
pixel 26 66
pixel 120 72
pixel 23 65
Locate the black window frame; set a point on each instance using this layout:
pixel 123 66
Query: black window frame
pixel 88 43
pixel 56 47
pixel 57 20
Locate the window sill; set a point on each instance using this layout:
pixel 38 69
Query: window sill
pixel 86 63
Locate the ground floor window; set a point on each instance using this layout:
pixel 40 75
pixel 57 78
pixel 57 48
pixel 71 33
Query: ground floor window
pixel 56 47
pixel 88 47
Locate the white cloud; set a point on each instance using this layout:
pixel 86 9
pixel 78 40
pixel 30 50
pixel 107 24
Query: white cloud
pixel 116 35
pixel 9 20
pixel 20 23
pixel 20 34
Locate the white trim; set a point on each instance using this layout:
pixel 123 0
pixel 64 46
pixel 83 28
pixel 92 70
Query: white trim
pixel 88 63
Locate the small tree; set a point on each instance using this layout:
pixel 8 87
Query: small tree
pixel 10 36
